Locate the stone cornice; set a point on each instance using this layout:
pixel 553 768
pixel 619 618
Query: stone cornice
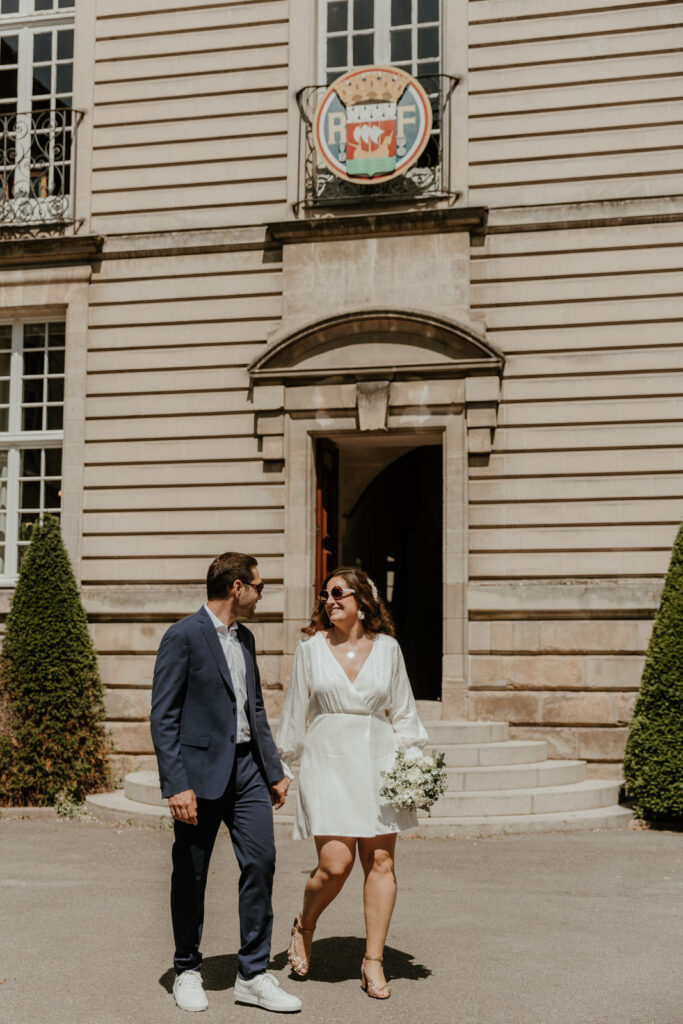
pixel 16 254
pixel 373 225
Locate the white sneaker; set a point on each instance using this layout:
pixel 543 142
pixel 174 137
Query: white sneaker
pixel 264 990
pixel 188 991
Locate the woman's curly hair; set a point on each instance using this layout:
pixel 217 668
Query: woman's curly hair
pixel 377 618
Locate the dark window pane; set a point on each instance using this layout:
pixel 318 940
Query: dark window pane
pixel 30 494
pixel 401 48
pixel 363 49
pixel 55 389
pixel 53 494
pixel 55 417
pixel 30 462
pixel 42 81
pixel 9 50
pixel 66 3
pixel 64 77
pixel 332 76
pixel 34 363
pixel 64 103
pixel 42 47
pixel 33 418
pixel 53 462
pixel 401 13
pixel 34 335
pixel 429 67
pixel 8 84
pixel 55 362
pixel 337 17
pixel 44 5
pixel 33 391
pixel 55 334
pixel 41 104
pixel 336 52
pixel 4 392
pixel 9 7
pixel 8 110
pixel 26 523
pixel 4 422
pixel 428 42
pixel 5 336
pixel 363 14
pixel 65 45
pixel 427 10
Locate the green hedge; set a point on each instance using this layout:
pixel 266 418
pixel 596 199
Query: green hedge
pixel 52 744
pixel 653 764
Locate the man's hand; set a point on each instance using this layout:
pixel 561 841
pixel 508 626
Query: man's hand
pixel 183 806
pixel 278 793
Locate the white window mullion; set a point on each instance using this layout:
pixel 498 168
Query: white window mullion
pixel 14 424
pixel 12 528
pixel 382 31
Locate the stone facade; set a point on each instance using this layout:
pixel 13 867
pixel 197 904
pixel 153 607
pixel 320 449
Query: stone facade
pixel 531 327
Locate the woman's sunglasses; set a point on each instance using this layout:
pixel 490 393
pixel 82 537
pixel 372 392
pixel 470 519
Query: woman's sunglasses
pixel 336 593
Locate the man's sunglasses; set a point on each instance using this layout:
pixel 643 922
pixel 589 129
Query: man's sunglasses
pixel 336 593
pixel 258 587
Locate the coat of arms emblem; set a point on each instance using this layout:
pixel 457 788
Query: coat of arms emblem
pixel 372 124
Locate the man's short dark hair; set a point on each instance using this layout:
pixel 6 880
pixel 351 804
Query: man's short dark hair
pixel 224 570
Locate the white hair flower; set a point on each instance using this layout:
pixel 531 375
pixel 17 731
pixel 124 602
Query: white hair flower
pixel 373 588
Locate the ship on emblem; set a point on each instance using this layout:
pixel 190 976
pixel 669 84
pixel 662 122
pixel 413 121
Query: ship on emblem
pixel 371 101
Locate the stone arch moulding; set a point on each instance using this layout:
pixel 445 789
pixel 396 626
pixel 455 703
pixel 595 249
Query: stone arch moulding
pixel 376 364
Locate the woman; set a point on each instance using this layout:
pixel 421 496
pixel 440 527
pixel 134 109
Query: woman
pixel 349 708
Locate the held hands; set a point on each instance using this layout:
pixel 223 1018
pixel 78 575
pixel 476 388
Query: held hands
pixel 183 806
pixel 278 793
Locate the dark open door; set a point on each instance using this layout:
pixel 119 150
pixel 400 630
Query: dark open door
pixel 326 509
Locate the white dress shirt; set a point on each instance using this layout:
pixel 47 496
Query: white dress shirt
pixel 234 656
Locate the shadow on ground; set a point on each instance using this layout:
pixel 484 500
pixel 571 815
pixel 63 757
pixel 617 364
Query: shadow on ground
pixel 332 960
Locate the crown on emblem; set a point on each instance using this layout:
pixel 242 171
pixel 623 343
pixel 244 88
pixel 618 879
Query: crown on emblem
pixel 373 86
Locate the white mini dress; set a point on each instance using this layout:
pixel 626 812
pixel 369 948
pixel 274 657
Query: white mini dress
pixel 346 734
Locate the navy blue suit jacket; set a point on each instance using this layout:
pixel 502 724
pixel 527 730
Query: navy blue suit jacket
pixel 194 711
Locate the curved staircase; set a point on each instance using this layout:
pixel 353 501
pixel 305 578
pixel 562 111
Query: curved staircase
pixel 495 786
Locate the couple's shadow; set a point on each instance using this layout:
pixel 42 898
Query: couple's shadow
pixel 332 960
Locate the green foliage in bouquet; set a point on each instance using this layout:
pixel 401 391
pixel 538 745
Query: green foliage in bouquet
pixel 653 764
pixel 415 783
pixel 52 740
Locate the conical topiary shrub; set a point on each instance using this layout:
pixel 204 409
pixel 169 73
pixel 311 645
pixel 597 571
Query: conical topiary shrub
pixel 53 746
pixel 653 763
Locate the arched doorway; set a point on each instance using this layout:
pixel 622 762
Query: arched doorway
pixel 380 508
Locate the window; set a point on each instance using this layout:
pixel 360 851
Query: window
pixel 36 100
pixel 31 432
pixel 405 33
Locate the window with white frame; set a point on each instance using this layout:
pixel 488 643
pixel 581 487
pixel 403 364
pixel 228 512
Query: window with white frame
pixel 404 33
pixel 36 99
pixel 31 432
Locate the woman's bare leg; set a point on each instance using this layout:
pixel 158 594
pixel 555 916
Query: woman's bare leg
pixel 379 896
pixel 336 855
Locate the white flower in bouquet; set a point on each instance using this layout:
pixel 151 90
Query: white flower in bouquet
pixel 415 783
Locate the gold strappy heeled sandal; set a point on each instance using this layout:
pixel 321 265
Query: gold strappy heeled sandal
pixel 369 986
pixel 299 964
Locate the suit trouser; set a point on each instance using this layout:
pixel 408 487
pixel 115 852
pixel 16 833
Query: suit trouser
pixel 246 809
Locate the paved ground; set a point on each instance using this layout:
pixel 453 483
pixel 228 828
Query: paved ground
pixel 583 928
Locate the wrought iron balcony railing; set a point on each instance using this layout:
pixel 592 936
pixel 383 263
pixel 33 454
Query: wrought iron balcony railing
pixel 429 178
pixel 37 170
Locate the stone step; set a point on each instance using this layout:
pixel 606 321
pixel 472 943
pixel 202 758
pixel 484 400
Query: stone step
pixel 502 777
pixel 117 808
pixel 577 796
pixel 455 732
pixel 429 710
pixel 465 755
pixel 143 788
pixel 516 776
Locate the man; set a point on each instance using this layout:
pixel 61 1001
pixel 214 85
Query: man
pixel 218 762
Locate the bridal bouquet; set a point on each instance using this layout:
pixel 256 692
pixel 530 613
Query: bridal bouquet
pixel 416 782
